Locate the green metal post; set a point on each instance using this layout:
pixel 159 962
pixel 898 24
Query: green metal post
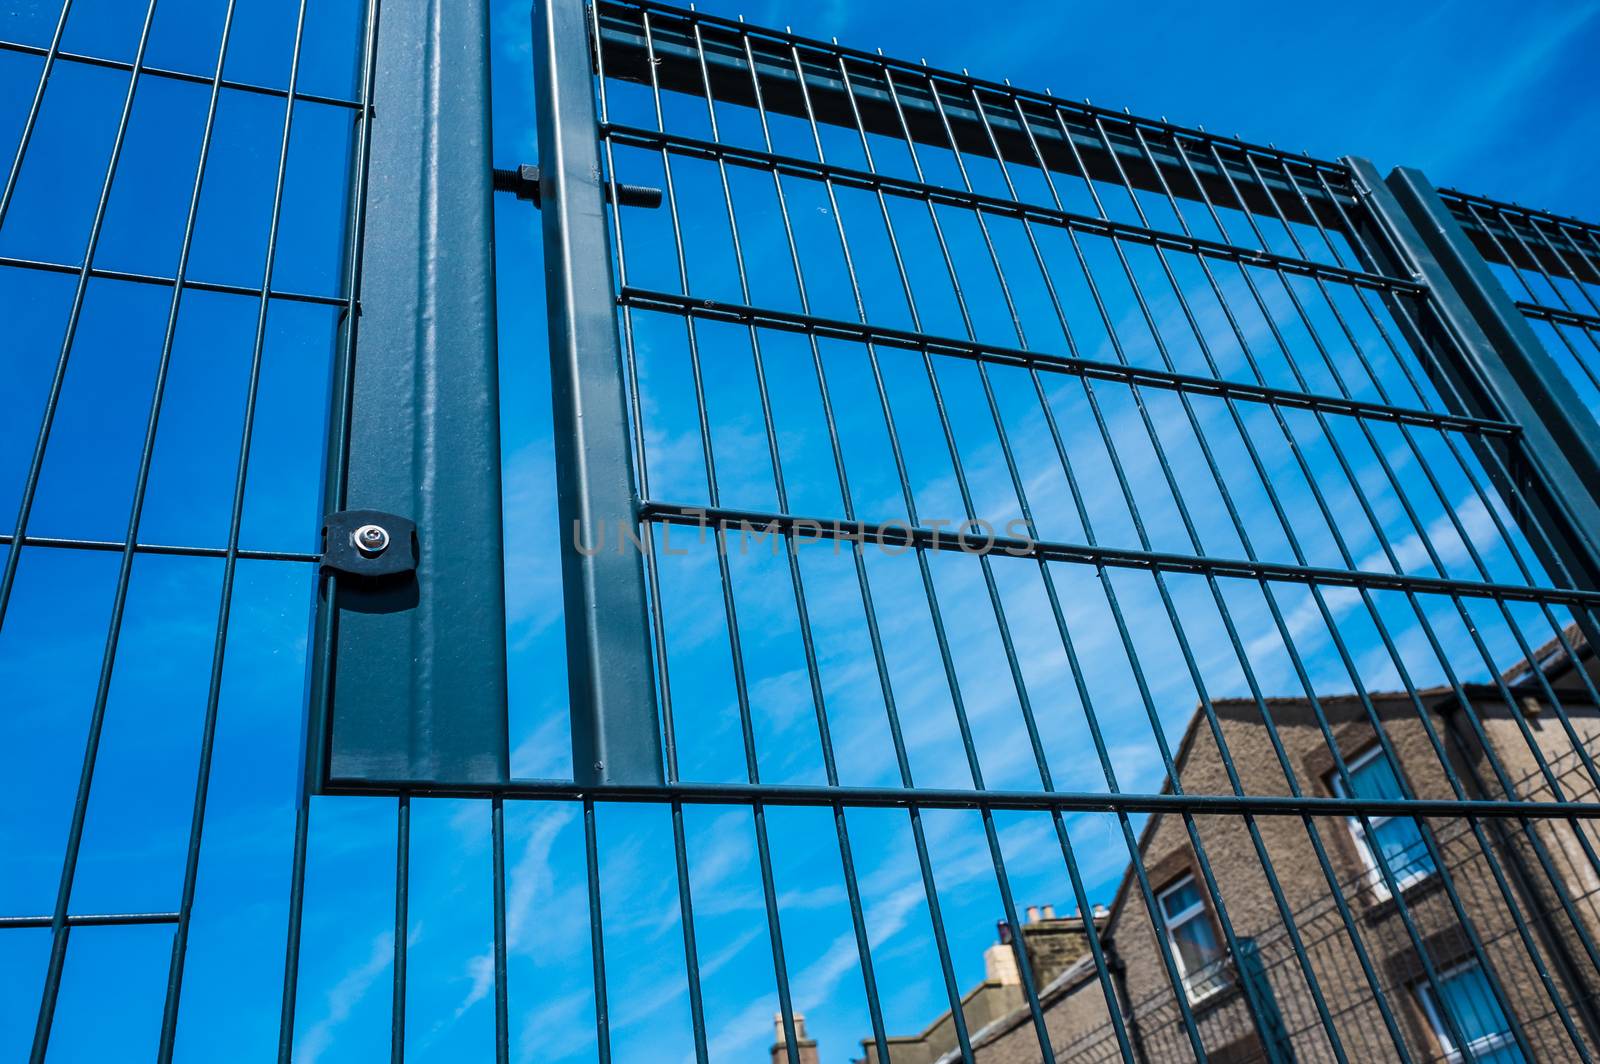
pixel 409 684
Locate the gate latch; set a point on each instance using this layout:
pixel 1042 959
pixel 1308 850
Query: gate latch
pixel 524 182
pixel 369 544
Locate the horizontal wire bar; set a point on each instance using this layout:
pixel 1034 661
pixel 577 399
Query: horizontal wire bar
pixel 610 8
pixel 175 75
pixel 696 147
pixel 940 798
pixel 1558 316
pixel 1450 194
pixel 97 920
pixel 1521 237
pixel 100 273
pixel 900 535
pixel 116 546
pixel 669 302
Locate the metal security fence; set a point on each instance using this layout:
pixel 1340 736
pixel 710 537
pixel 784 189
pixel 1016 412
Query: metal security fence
pixel 963 499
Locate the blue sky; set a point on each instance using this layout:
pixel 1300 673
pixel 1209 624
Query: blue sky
pixel 1490 105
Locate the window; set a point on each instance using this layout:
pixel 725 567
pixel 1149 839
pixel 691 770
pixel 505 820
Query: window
pixel 1396 841
pixel 1477 1014
pixel 1192 939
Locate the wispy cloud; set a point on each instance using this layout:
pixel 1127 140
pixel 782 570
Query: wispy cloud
pixel 345 995
pixel 530 879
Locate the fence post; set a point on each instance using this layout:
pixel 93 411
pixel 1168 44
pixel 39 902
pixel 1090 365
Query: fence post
pixel 615 732
pixel 1506 374
pixel 409 678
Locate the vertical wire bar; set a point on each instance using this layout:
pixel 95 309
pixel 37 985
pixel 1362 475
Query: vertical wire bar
pixel 402 923
pixel 31 121
pixel 1511 475
pixel 291 951
pixel 1590 261
pixel 1278 510
pixel 691 948
pixel 236 518
pixel 1585 289
pixel 1285 765
pixel 597 947
pixel 502 1022
pixel 808 647
pixel 1505 252
pixel 1084 518
pixel 1466 467
pixel 58 921
pixel 1430 840
pixel 335 483
pixel 902 762
pixel 730 612
pixel 1484 844
pixel 847 863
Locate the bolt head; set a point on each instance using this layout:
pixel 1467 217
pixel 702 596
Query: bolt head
pixel 371 540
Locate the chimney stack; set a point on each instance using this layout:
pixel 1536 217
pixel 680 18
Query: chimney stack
pixel 1033 914
pixel 807 1046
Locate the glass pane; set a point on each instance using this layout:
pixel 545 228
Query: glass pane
pixel 1197 944
pixel 1375 779
pixel 1475 1010
pixel 1179 899
pixel 1401 846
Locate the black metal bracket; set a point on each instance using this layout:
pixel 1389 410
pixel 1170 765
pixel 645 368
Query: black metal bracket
pixel 369 544
pixel 524 183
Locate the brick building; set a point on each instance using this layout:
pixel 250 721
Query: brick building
pixel 1498 954
pixel 1053 943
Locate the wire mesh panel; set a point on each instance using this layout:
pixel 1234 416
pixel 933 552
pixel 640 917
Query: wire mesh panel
pixel 1031 507
pixel 1549 264
pixel 172 231
pixel 1078 454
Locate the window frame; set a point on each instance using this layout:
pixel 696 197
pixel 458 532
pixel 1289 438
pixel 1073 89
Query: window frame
pixel 1433 1010
pixel 1406 879
pixel 1201 910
